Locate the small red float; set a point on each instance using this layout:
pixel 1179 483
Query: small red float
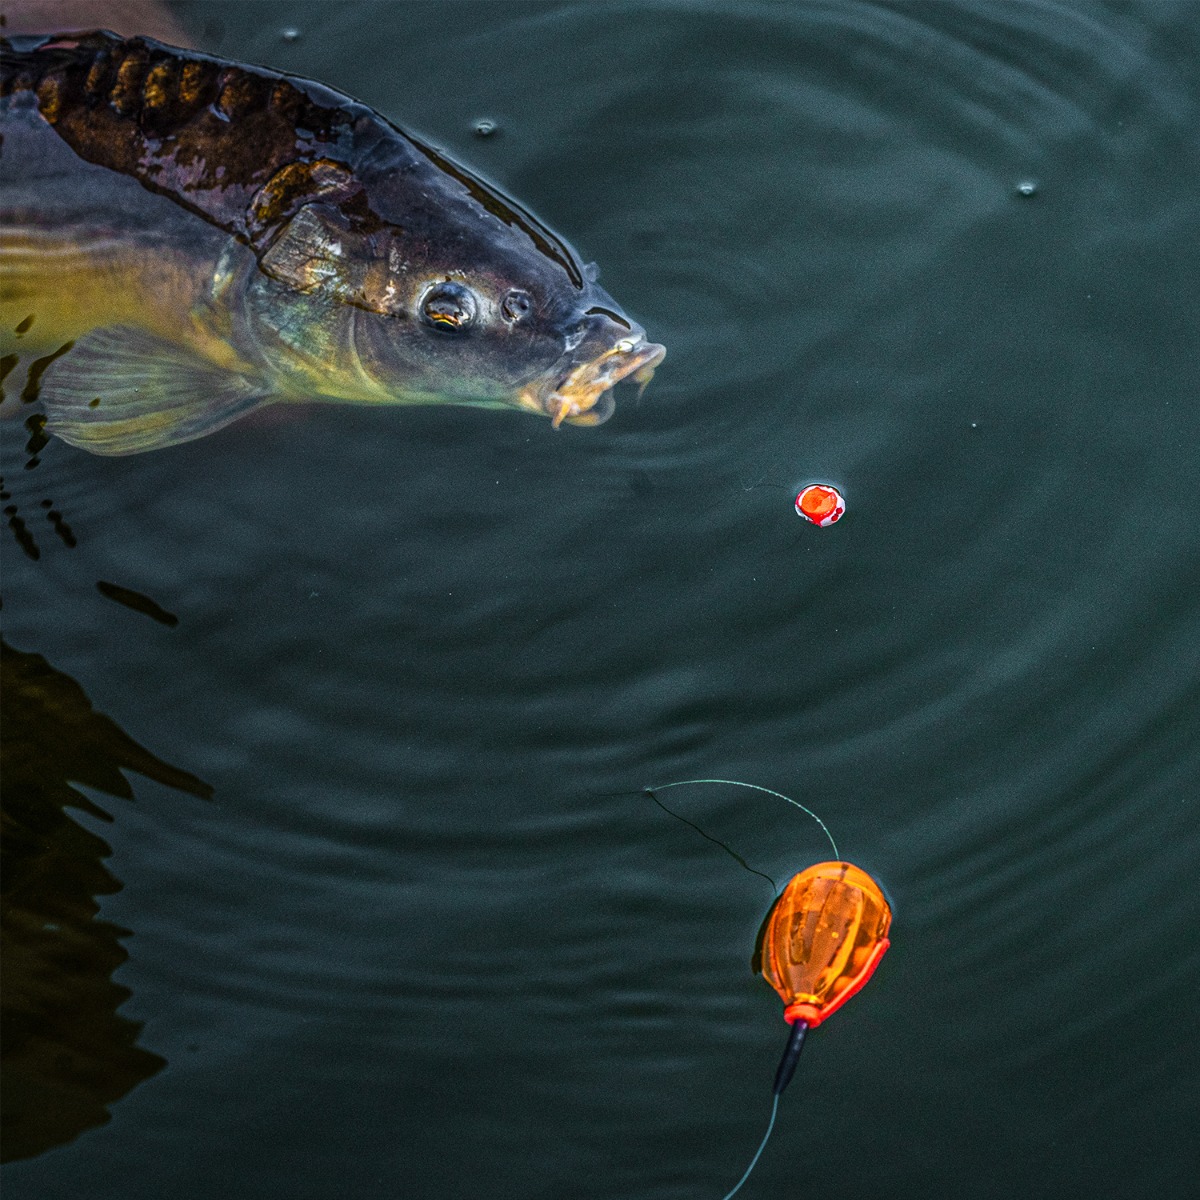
pixel 820 503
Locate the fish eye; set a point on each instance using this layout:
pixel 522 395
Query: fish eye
pixel 516 305
pixel 448 307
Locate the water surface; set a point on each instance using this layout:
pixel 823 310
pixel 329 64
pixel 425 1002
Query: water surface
pixel 428 939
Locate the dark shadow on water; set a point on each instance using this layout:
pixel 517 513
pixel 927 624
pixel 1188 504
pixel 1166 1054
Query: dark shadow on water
pixel 68 1054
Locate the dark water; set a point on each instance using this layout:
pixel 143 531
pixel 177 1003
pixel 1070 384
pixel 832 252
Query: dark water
pixel 428 939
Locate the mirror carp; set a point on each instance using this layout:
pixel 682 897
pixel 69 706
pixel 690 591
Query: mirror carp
pixel 184 239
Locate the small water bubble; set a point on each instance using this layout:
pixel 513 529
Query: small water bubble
pixel 1027 187
pixel 486 127
pixel 290 34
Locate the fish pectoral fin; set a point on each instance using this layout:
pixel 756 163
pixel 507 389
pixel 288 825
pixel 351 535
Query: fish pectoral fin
pixel 120 390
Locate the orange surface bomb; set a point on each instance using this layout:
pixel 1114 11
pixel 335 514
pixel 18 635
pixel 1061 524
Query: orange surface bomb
pixel 821 503
pixel 823 939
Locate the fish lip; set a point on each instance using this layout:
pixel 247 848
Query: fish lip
pixel 582 396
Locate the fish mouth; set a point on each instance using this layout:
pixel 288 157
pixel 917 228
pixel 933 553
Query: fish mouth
pixel 583 396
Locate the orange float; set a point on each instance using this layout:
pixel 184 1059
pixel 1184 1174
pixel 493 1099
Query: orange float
pixel 820 943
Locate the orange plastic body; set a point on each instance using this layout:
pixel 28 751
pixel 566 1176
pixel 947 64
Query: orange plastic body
pixel 824 938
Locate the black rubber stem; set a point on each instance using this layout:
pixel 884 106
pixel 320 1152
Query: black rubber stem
pixel 791 1056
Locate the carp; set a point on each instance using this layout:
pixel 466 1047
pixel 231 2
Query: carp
pixel 184 239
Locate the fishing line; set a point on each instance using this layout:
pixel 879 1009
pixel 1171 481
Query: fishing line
pixel 709 837
pixel 799 1026
pixel 659 787
pixel 737 1187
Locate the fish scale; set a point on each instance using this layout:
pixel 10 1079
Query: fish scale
pixel 209 134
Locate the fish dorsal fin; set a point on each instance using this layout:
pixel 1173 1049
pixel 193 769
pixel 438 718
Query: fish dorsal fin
pixel 120 390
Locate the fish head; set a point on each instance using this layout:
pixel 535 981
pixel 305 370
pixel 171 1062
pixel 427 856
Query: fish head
pixel 408 279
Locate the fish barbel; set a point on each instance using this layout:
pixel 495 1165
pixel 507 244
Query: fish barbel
pixel 184 239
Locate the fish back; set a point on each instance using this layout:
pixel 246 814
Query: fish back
pixel 205 132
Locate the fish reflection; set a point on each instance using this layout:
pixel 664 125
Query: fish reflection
pixel 68 1054
pixel 184 239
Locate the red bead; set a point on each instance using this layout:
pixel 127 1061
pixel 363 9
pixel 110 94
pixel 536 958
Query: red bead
pixel 821 504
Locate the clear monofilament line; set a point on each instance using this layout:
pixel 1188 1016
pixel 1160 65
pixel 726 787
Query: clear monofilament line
pixel 738 783
pixel 716 841
pixel 758 1153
